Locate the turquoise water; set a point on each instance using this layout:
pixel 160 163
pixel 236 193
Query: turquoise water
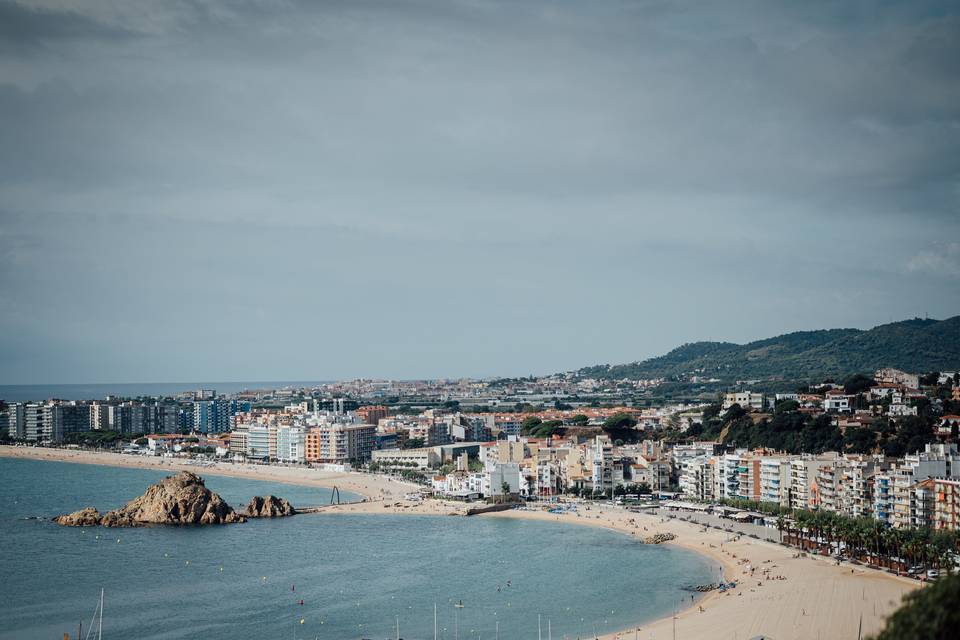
pixel 355 574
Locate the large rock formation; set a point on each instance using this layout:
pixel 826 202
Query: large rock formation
pixel 269 507
pixel 88 517
pixel 180 499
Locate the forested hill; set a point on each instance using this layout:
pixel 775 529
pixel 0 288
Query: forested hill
pixel 916 346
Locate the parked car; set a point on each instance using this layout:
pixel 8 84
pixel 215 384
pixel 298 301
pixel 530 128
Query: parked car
pixel 932 574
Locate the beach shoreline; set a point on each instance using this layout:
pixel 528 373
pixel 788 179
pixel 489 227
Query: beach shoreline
pixel 813 596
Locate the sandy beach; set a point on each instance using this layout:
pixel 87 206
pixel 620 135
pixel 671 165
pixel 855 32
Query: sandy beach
pixel 778 595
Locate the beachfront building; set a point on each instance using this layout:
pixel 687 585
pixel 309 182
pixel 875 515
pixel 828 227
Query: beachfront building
pixel 61 419
pixel 935 461
pixel 775 480
pixel 883 497
pixel 340 443
pixel 261 442
pixel 854 484
pixel 16 421
pixel 605 476
pixel 946 506
pixel 727 475
pixel 803 480
pixel 420 458
pixel 33 425
pixel 291 443
pixel 696 477
pixel 748 476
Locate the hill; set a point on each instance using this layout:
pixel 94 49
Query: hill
pixel 917 346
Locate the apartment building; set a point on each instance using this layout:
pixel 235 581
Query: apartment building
pixel 696 477
pixel 340 443
pixel 883 497
pixel 803 480
pixel 61 419
pixel 422 458
pixel 291 443
pixel 748 477
pixel 16 421
pixel 746 400
pixel 261 442
pixel 775 480
pixel 33 425
pixel 946 508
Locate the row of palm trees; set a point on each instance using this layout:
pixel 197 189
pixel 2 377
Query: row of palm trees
pixel 862 538
pixel 870 540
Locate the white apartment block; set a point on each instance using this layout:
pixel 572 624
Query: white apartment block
pixel 746 400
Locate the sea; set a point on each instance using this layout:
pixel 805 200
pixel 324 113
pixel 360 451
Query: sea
pixel 34 392
pixel 335 576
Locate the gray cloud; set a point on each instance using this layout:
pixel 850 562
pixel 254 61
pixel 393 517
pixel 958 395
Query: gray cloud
pixel 462 187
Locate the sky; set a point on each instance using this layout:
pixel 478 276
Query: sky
pixel 284 190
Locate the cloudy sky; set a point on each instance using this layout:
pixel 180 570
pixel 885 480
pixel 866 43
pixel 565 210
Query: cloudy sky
pixel 273 189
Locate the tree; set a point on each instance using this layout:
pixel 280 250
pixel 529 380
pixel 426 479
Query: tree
pixel 857 383
pixel 413 443
pixel 785 406
pixel 930 613
pixel 619 421
pixel 529 424
pixel 580 420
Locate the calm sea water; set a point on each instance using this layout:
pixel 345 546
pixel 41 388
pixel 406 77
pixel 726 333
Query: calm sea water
pixel 29 392
pixel 356 575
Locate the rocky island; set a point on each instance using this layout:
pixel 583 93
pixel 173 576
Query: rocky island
pixel 269 507
pixel 180 499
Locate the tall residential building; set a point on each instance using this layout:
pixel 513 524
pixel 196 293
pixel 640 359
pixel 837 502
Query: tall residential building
pixel 696 477
pixel 213 416
pixel 340 443
pixel 33 426
pixel 63 418
pixel 291 444
pixel 803 480
pixel 261 442
pixel 16 424
pixel 946 507
pixel 775 480
pixel 99 416
pixel 372 414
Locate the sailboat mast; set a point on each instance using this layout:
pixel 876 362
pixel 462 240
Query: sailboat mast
pixel 434 621
pixel 100 626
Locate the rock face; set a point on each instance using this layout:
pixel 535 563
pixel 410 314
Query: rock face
pixel 181 499
pixel 269 507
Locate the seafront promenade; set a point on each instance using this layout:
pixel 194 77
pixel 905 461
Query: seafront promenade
pixel 779 593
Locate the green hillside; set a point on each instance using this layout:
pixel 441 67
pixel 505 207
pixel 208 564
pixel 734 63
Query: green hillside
pixel 912 345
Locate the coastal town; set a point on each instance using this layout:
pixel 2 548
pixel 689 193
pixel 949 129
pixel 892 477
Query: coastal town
pixel 861 474
pixel 883 447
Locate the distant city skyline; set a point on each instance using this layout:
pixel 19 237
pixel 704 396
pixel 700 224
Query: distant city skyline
pixel 430 189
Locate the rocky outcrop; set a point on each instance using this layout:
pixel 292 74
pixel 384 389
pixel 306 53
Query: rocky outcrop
pixel 88 517
pixel 181 499
pixel 657 538
pixel 269 507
